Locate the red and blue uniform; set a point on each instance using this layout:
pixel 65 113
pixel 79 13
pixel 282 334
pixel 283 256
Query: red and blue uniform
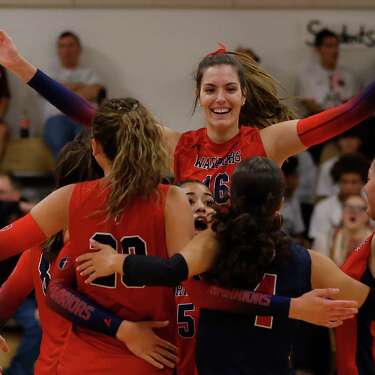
pixel 197 157
pixel 230 343
pixel 355 339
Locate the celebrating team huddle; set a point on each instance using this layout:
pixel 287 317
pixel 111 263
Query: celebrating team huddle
pixel 133 276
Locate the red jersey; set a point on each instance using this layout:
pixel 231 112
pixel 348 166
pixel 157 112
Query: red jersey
pixel 139 230
pixel 197 157
pixel 187 325
pixel 33 271
pixel 355 344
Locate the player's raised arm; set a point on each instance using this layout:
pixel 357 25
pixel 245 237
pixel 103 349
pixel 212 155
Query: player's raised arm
pixel 291 137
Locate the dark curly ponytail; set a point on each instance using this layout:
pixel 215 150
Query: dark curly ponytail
pixel 250 234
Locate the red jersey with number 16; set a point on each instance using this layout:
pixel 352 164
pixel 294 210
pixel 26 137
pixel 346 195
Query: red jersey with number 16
pixel 139 230
pixel 197 157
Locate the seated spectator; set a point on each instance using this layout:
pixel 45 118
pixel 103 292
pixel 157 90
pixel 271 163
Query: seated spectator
pixel 291 210
pixel 59 129
pixel 347 143
pixel 4 103
pixel 350 173
pixel 355 228
pixel 325 84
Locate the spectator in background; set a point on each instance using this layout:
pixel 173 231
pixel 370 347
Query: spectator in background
pixel 350 173
pixel 347 143
pixel 325 84
pixel 59 129
pixel 4 103
pixel 355 228
pixel 291 210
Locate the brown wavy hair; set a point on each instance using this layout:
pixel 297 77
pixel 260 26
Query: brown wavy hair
pixel 133 141
pixel 263 106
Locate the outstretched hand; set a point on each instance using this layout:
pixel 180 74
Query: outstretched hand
pixel 318 308
pixel 11 59
pixel 8 52
pixel 142 341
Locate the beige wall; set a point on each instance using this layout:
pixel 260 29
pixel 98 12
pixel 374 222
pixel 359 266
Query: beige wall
pixel 229 4
pixel 152 53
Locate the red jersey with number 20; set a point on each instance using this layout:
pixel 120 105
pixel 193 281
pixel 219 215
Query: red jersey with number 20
pixel 139 230
pixel 197 157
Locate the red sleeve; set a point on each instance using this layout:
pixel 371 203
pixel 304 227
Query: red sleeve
pixel 17 287
pixel 22 234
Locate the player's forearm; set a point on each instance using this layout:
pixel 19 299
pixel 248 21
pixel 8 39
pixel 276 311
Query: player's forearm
pixel 332 122
pixel 80 310
pixel 20 67
pixel 68 102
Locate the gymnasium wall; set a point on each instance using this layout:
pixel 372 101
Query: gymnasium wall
pixel 152 53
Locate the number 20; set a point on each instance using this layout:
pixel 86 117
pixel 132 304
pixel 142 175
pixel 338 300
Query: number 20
pixel 128 245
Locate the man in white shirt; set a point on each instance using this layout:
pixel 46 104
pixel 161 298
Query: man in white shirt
pixel 326 83
pixel 59 129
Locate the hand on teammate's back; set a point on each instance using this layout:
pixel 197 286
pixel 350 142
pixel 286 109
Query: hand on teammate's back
pixel 142 341
pixel 318 308
pixel 103 260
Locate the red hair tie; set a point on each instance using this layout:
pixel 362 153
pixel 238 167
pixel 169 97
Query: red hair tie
pixel 221 49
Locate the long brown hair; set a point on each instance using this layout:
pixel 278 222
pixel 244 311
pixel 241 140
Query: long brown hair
pixel 132 140
pixel 263 106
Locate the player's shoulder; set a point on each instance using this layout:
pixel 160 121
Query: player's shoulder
pixel 192 137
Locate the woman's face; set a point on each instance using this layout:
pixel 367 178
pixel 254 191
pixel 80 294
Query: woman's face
pixel 369 191
pixel 354 213
pixel 202 202
pixel 221 97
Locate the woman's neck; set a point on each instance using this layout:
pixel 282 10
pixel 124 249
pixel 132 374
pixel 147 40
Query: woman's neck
pixel 222 135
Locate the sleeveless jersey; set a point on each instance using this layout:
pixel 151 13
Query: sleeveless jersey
pixel 139 230
pixel 55 327
pixel 197 157
pixel 187 325
pixel 231 344
pixel 355 344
